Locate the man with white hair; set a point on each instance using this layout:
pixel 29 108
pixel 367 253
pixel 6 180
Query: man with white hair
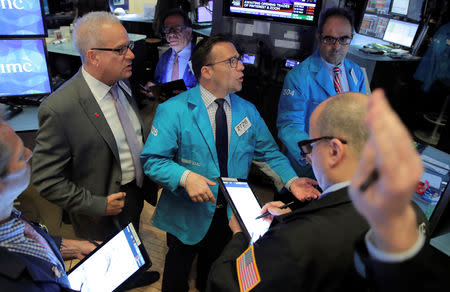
pixel 86 158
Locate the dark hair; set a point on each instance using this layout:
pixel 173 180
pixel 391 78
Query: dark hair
pixel 176 11
pixel 340 12
pixel 200 55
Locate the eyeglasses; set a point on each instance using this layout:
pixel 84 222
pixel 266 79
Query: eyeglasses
pixel 173 29
pixel 343 40
pixel 233 62
pixel 121 51
pixel 306 145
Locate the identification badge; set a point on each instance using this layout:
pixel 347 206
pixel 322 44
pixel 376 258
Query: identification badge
pixel 355 79
pixel 243 126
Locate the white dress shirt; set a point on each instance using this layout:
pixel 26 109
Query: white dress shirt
pixel 106 103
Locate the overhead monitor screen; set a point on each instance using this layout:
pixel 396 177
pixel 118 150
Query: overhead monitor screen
pixel 292 11
pixel 378 6
pixel 373 25
pixel 23 68
pixel 400 7
pixel 415 9
pixel 400 32
pixel 21 18
pixel 204 13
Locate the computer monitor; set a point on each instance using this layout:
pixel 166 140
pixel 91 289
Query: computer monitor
pixel 400 7
pixel 373 25
pixel 435 201
pixel 415 9
pixel 204 13
pixel 305 12
pixel 23 70
pixel 378 6
pixel 400 32
pixel 22 19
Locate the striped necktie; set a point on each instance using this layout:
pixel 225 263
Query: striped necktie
pixel 337 80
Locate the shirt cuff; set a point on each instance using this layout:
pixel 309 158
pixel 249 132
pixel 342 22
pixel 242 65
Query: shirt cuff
pixel 183 178
pixel 288 184
pixel 389 257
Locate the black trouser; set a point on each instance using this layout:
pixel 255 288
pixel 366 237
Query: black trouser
pixel 134 204
pixel 180 256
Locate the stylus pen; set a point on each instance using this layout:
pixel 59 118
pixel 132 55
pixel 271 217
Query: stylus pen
pixel 267 213
pixel 144 88
pixel 369 181
pixel 94 243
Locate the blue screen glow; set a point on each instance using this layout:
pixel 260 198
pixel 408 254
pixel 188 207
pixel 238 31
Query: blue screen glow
pixel 19 17
pixel 23 68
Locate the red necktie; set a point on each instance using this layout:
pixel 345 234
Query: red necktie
pixel 175 68
pixel 337 80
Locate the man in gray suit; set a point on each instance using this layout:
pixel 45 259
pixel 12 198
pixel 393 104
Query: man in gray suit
pixel 90 136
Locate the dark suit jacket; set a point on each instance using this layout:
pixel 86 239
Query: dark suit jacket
pixel 21 272
pixel 76 162
pixel 310 249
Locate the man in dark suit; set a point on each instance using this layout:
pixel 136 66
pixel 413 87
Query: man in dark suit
pixel 175 63
pixel 312 248
pixel 90 136
pixel 30 259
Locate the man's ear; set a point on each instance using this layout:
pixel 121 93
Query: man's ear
pixel 92 58
pixel 206 72
pixel 335 152
pixel 189 32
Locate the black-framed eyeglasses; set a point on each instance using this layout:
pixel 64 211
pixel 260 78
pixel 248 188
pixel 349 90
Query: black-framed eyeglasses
pixel 233 62
pixel 306 145
pixel 173 29
pixel 343 40
pixel 121 51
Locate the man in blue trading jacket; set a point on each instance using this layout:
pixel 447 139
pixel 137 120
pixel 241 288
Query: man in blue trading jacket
pixel 199 135
pixel 323 74
pixel 30 260
pixel 313 248
pixel 175 64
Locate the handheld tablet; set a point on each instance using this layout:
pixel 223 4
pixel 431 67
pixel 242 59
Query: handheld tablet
pixel 245 206
pixel 166 90
pixel 111 264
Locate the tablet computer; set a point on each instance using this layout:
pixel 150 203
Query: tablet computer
pixel 245 205
pixel 111 264
pixel 167 90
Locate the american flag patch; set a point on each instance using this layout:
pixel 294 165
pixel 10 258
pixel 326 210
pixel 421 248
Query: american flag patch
pixel 247 270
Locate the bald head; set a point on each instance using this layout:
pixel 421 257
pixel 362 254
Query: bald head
pixel 342 116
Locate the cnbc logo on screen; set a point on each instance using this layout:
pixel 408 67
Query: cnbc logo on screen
pixel 15 4
pixel 15 68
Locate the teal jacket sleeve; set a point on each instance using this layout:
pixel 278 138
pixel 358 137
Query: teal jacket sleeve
pixel 161 147
pixel 266 150
pixel 291 115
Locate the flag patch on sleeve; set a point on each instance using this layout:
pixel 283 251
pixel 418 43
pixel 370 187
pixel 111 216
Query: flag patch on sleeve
pixel 247 270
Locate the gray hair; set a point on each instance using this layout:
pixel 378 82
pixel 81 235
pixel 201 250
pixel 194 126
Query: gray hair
pixel 88 36
pixel 343 117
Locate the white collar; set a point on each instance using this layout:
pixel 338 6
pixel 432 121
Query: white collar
pixel 334 188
